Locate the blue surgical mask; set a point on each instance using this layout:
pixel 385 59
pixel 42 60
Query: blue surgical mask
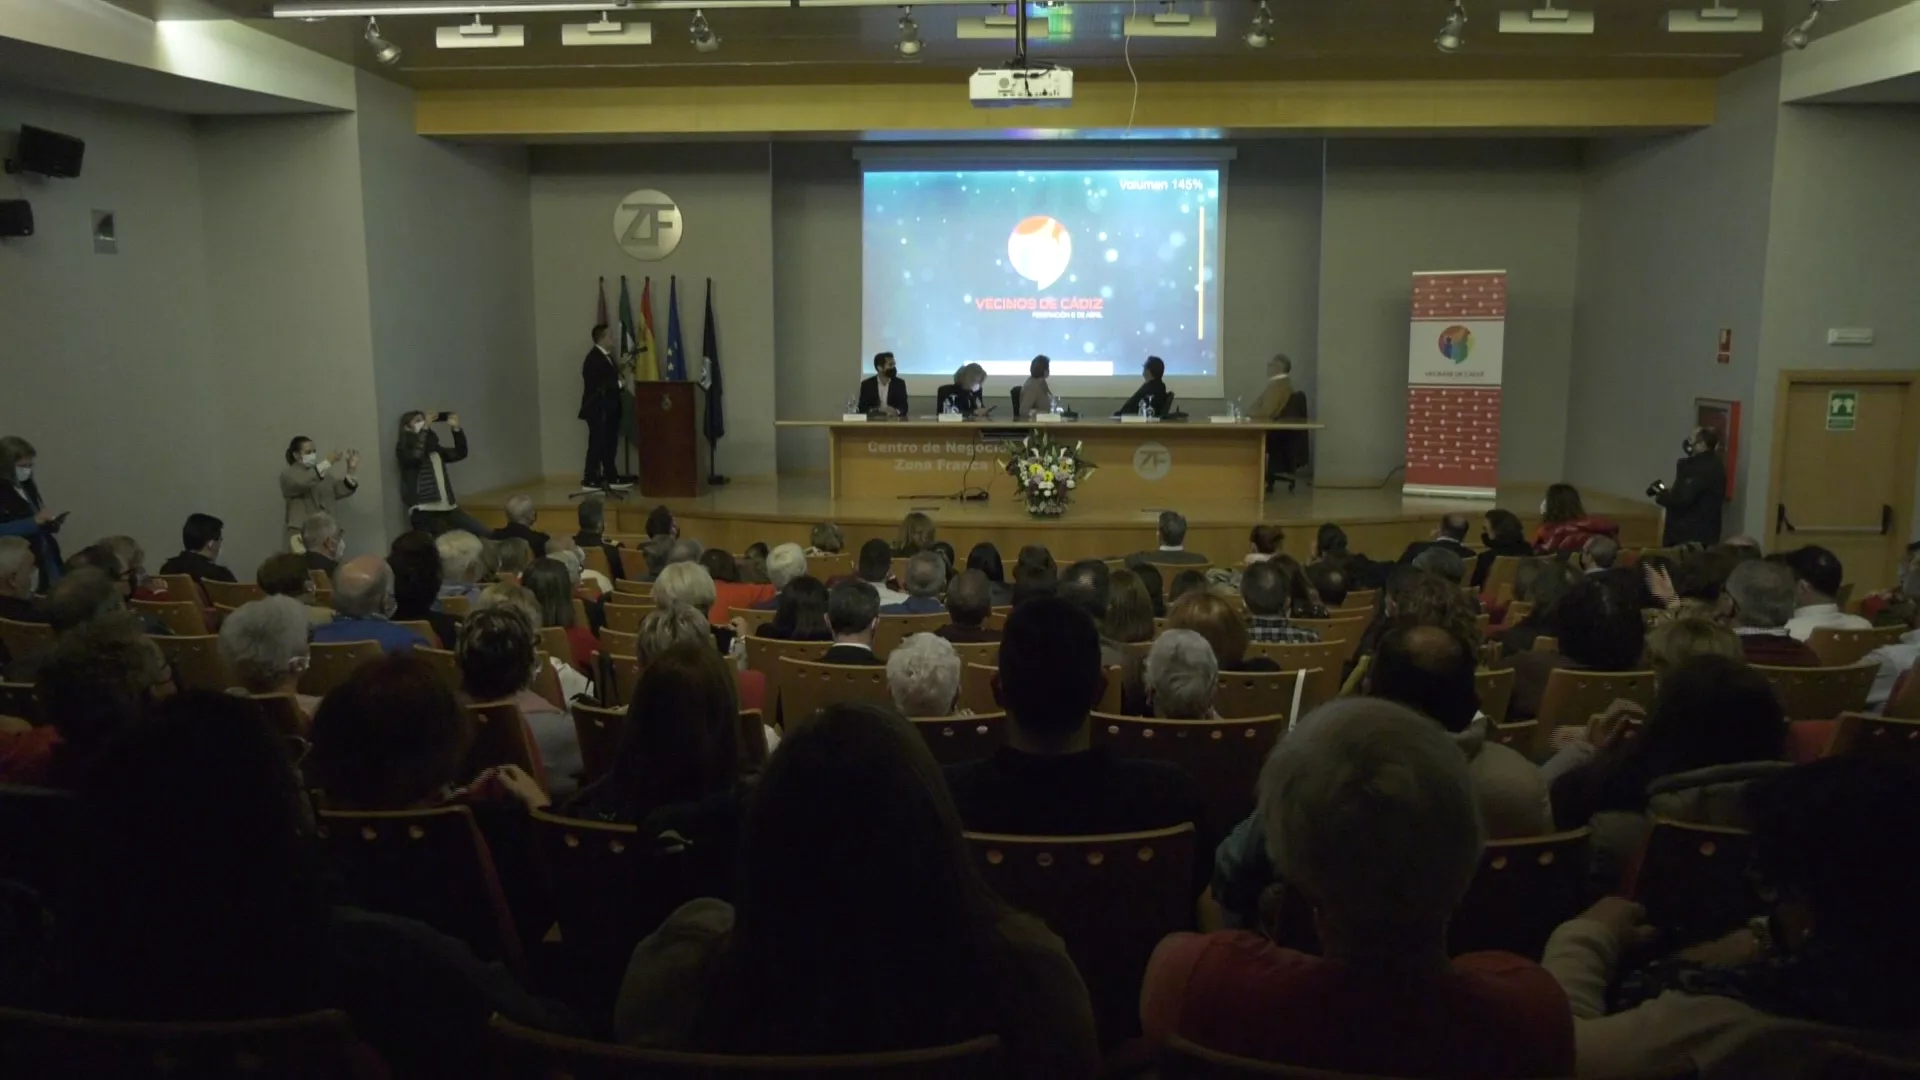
pixel 22 473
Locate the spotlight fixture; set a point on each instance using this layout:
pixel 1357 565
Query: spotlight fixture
pixel 909 34
pixel 1716 20
pixel 1546 20
pixel 383 50
pixel 1802 32
pixel 703 38
pixel 1453 32
pixel 1260 30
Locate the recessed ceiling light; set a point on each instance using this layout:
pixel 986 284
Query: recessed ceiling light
pixel 1453 32
pixel 1260 30
pixel 702 35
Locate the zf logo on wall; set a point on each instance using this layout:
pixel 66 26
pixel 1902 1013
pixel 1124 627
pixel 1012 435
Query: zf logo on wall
pixel 647 225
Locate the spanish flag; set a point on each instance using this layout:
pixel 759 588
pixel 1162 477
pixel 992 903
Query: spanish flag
pixel 636 336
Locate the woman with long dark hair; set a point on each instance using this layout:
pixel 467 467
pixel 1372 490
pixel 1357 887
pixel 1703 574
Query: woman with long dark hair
pixel 860 924
pixel 801 614
pixel 1565 524
pixel 985 558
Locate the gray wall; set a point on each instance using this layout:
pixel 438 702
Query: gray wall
pixel 1673 246
pixel 725 199
pixel 450 280
pixel 1394 207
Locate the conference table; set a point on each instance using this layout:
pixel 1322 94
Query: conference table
pixel 1138 466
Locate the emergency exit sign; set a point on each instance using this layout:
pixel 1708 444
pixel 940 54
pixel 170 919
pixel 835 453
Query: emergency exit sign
pixel 1842 407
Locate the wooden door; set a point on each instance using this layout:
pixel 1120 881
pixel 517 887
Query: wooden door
pixel 1845 485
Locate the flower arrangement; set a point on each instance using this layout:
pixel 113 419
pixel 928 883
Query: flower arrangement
pixel 1047 473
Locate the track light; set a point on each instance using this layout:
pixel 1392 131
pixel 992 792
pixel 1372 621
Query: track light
pixel 383 50
pixel 1260 30
pixel 703 38
pixel 909 34
pixel 1453 32
pixel 1802 32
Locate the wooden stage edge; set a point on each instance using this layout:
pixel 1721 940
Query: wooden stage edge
pixel 1379 522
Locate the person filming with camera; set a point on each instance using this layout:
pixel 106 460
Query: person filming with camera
pixel 1698 497
pixel 425 487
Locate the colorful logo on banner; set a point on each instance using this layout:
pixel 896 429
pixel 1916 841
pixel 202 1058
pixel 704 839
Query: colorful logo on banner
pixel 1456 342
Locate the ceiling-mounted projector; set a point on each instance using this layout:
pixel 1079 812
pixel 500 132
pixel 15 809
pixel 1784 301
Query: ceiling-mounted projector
pixel 1546 20
pixel 994 88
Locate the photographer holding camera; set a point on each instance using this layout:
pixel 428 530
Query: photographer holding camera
pixel 425 487
pixel 1697 499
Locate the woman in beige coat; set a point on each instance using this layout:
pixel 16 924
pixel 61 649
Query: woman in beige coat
pixel 309 484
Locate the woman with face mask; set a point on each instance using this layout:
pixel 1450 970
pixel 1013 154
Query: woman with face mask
pixel 311 484
pixel 425 487
pixel 23 513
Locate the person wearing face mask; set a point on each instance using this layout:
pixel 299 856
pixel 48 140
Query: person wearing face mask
pixel 425 487
pixel 1698 496
pixel 1153 391
pixel 884 391
pixel 310 484
pixel 199 554
pixel 23 513
pixel 964 393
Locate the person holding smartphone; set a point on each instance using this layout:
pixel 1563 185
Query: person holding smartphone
pixel 1696 502
pixel 425 486
pixel 23 513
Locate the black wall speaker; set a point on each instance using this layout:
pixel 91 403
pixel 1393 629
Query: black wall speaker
pixel 48 153
pixel 16 217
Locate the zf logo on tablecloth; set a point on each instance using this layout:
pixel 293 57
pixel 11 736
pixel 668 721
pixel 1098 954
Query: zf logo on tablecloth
pixel 1152 460
pixel 647 225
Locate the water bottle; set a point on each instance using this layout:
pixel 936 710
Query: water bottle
pixel 1237 412
pixel 852 405
pixel 1144 411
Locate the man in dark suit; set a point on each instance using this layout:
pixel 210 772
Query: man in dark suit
pixel 1452 535
pixel 200 546
pixel 1696 501
pixel 600 408
pixel 964 392
pixel 853 613
pixel 1173 544
pixel 521 515
pixel 883 391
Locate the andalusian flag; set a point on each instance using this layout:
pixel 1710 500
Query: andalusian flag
pixel 636 335
pixel 676 369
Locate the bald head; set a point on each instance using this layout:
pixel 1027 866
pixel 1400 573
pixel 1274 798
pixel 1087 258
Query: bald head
pixel 1455 526
pixel 1427 668
pixel 363 587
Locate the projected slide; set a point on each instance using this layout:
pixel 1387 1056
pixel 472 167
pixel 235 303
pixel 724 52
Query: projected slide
pixel 1096 268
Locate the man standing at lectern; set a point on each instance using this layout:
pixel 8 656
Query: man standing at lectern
pixel 884 391
pixel 600 408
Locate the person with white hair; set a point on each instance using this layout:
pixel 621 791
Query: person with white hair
pixel 923 674
pixel 461 564
pixel 1182 676
pixel 1370 815
pixel 784 563
pixel 264 643
pixel 925 580
pixel 569 552
pixel 323 542
pixel 686 583
pixel 521 514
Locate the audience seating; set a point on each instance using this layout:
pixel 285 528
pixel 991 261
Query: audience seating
pixel 182 588
pixel 501 737
pixel 1493 655
pixel 580 613
pixel 1326 654
pixel 1693 881
pixel 197 663
pixel 619 643
pixel 231 593
pixel 1247 694
pixel 33 837
pixel 894 629
pixel 553 641
pixel 1522 891
pixel 1517 612
pixel 314 1046
pixel 1520 737
pixel 898 571
pixel 1111 700
pixel 626 588
pixel 752 734
pixel 187 618
pixel 594 557
pixel 432 865
pixel 806 686
pixel 456 606
pixel 21 639
pixel 976 688
pixel 19 699
pixel 764 656
pixel 956 739
pixel 978 652
pixel 1110 898
pixel 1820 693
pixel 1841 648
pixel 1495 691
pixel 1572 698
pixel 1179 1059
pixel 527 1054
pixel 1546 643
pixel 1347 630
pixel 996 621
pixel 1360 598
pixel 1859 733
pixel 607 886
pixel 320 580
pixel 444 664
pixel 329 665
pixel 619 675
pixel 828 567
pixel 1905 703
pixel 627 618
pixel 282 713
pixel 599 733
pixel 751 619
pixel 425 630
pixel 1501 575
pixel 1223 755
pixel 546 680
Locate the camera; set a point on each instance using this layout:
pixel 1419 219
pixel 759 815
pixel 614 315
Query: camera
pixel 1656 488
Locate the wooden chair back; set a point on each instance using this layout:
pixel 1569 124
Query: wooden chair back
pixel 35 840
pixel 1344 630
pixel 1358 599
pixel 1495 691
pixel 1516 612
pixel 1110 898
pixel 1546 643
pixel 976 688
pixel 1693 881
pixel 619 676
pixel 182 588
pixel 197 663
pixel 996 621
pixel 22 639
pixel 1522 891
pixel 895 629
pixel 553 641
pixel 444 663
pixel 828 567
pixel 1271 693
pixel 764 656
pixel 525 1052
pixel 1859 733
pixel 329 665
pixel 19 699
pixel 751 619
pixel 1840 648
pixel 954 739
pixel 619 643
pixel 601 879
pixel 231 593
pixel 1821 693
pixel 1325 654
pixel 594 557
pixel 1223 755
pixel 1572 697
pixel 457 606
pixel 185 618
pixel 1905 702
pixel 1501 575
pixel 1520 737
pixel 314 1046
pixel 1179 1059
pixel 1113 699
pixel 282 713
pixel 627 588
pixel 627 618
pixel 546 679
pixel 432 865
pixel 501 737
pixel 320 580
pixel 978 652
pixel 424 629
pixel 807 686
pixel 599 732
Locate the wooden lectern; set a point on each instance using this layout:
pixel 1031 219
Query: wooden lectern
pixel 673 453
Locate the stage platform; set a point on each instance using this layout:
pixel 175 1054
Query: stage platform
pixel 1379 522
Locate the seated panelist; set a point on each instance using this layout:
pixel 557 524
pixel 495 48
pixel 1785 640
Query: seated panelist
pixel 883 391
pixel 965 391
pixel 1153 391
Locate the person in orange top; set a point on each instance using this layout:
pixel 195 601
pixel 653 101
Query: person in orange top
pixel 728 590
pixel 1565 524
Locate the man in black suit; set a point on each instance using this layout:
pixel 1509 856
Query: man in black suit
pixel 853 612
pixel 964 392
pixel 1173 544
pixel 520 518
pixel 1697 500
pixel 1452 535
pixel 883 391
pixel 200 546
pixel 600 408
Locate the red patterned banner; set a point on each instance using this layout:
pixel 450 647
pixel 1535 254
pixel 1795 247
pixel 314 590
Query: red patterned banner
pixel 1454 355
